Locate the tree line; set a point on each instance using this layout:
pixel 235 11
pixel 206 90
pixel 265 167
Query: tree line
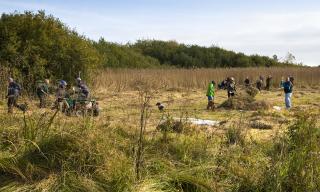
pixel 34 46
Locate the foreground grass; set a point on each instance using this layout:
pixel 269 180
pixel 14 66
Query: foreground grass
pixel 44 151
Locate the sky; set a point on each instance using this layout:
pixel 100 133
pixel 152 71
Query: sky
pixel 264 27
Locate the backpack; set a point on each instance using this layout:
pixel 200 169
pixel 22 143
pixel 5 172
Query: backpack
pixel 84 89
pixel 14 89
pixel 287 87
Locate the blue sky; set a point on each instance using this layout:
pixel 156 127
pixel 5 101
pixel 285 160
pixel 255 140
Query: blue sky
pixel 263 27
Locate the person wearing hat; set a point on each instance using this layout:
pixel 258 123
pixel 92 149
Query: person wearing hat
pixel 210 95
pixel 231 87
pixel 43 92
pixel 13 94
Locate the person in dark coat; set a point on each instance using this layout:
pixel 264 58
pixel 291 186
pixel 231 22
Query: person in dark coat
pixel 13 95
pixel 231 87
pixel 259 84
pixel 247 82
pixel 268 82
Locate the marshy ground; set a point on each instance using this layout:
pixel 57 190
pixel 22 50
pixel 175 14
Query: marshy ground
pixel 99 154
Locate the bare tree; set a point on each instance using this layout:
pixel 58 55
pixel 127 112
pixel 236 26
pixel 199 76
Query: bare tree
pixel 145 98
pixel 290 58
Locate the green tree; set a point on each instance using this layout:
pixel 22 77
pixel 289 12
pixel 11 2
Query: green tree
pixel 36 46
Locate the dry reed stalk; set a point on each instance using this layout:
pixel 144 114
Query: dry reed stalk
pixel 123 79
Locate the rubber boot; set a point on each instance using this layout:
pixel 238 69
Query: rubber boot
pixel 209 105
pixel 212 106
pixel 10 109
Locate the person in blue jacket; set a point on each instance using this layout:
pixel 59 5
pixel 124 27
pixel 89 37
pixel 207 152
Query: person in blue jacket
pixel 288 88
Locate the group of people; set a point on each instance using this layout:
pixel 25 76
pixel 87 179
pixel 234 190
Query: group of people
pixel 229 84
pixel 260 83
pixel 62 92
pixel 43 91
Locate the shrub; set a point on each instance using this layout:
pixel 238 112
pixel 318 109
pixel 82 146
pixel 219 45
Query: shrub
pixel 234 136
pixel 296 158
pixel 36 46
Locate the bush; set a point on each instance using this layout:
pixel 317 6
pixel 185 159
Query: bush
pixel 296 158
pixel 36 46
pixel 235 136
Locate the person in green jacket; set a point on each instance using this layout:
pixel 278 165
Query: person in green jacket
pixel 210 95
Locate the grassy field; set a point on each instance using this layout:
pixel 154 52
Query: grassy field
pixel 256 149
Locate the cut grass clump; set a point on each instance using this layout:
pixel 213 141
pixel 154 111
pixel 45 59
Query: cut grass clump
pixel 252 91
pixel 260 125
pixel 244 102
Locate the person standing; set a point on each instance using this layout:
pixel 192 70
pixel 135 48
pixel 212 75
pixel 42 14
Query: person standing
pixel 281 82
pixel 231 87
pixel 247 82
pixel 268 82
pixel 61 94
pixel 287 87
pixel 13 95
pixel 210 95
pixel 262 81
pixel 83 89
pixel 259 84
pixel 43 92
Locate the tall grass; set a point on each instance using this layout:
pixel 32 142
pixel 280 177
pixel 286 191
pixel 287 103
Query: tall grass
pixel 81 155
pixel 44 152
pixel 124 79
